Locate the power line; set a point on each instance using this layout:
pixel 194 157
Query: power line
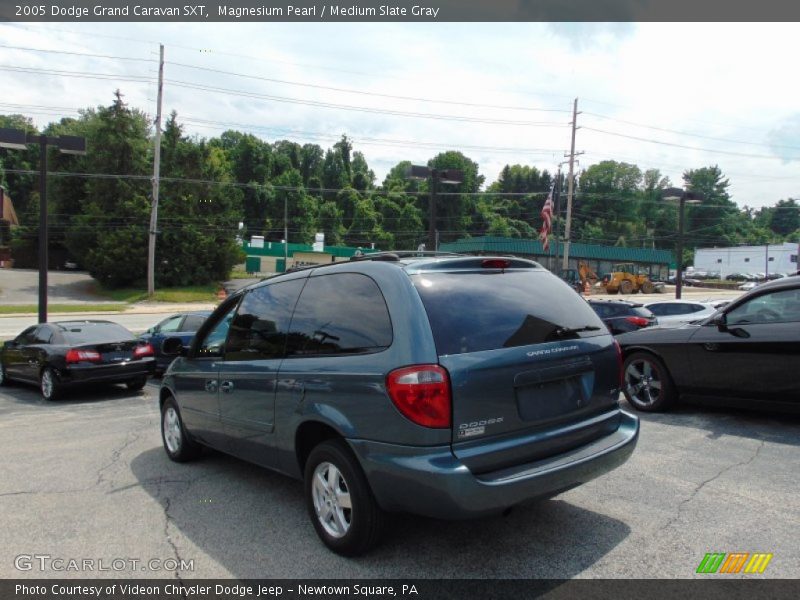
pixel 364 93
pixel 651 141
pixel 79 74
pixel 67 52
pixel 258 96
pixel 365 140
pixel 690 134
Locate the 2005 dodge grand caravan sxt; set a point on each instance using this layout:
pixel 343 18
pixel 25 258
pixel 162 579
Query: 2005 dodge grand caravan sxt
pixel 447 386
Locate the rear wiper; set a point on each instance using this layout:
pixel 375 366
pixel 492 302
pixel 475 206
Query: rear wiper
pixel 562 331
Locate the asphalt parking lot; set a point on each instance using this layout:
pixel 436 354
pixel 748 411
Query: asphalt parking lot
pixel 86 478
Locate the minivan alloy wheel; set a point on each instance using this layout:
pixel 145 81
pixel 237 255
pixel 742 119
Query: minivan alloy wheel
pixel 332 501
pixel 172 430
pixel 178 445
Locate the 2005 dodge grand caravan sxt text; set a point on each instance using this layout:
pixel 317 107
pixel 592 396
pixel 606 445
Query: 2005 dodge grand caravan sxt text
pixel 447 386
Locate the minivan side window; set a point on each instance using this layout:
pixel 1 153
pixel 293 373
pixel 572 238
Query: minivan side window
pixel 259 329
pixel 342 313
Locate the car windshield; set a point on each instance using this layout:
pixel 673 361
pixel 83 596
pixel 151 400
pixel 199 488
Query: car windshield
pixel 94 333
pixel 502 310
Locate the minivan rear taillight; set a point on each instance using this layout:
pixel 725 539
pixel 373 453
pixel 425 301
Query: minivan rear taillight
pixel 638 321
pixel 78 356
pixel 620 372
pixel 422 394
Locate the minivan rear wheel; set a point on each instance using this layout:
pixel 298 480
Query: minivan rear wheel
pixel 647 384
pixel 339 500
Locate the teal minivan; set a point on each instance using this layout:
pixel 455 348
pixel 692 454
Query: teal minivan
pixel 441 385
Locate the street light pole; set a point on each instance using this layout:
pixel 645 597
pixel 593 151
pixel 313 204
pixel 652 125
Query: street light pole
pixel 432 211
pixel 435 176
pixel 285 231
pixel 683 197
pixel 17 139
pixel 43 233
pixel 679 271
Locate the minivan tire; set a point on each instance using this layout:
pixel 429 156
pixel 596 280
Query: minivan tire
pixel 647 383
pixel 333 478
pixel 177 443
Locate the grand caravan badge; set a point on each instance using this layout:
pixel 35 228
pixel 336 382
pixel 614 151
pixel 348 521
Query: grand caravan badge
pixel 548 351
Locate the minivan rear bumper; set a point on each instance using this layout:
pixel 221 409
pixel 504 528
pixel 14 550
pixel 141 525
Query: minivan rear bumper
pixel 431 481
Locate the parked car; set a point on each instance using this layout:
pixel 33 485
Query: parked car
pixel 621 316
pixel 746 353
pixel 180 325
pixel 451 387
pixel 56 356
pixel 747 286
pixel 673 313
pixel 736 277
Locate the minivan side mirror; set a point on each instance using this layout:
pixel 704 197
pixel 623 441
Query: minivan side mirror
pixel 173 346
pixel 10 344
pixel 720 321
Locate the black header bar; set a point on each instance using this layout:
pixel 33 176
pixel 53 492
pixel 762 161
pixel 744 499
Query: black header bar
pixel 401 10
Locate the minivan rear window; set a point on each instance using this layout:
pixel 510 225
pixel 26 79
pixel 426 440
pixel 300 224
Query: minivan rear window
pixel 471 312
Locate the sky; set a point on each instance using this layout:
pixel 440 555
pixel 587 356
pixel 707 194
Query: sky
pixel 660 95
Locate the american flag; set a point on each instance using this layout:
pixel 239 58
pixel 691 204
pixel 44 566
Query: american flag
pixel 547 219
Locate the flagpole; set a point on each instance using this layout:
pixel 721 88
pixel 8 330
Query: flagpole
pixel 557 216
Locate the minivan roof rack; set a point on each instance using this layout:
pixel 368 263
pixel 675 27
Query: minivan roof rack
pixel 395 255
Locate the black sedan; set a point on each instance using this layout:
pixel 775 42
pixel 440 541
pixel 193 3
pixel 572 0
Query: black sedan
pixel 746 353
pixel 55 356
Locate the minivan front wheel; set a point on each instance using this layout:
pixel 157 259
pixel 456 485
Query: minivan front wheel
pixel 647 386
pixel 177 444
pixel 339 500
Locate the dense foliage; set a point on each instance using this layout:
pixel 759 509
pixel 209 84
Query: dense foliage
pixel 215 191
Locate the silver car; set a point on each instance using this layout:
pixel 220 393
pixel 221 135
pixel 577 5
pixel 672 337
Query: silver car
pixel 674 313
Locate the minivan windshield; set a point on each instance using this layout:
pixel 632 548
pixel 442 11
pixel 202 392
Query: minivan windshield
pixel 475 311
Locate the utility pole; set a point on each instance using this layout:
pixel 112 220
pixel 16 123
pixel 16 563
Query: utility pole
pixel 151 246
pixel 570 185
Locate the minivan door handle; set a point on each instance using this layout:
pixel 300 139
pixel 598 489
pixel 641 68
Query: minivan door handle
pixel 226 386
pixel 211 385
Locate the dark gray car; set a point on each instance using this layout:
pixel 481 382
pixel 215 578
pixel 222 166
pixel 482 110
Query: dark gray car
pixel 451 387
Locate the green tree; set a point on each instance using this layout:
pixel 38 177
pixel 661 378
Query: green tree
pixel 198 222
pixel 785 218
pixel 456 203
pixel 109 237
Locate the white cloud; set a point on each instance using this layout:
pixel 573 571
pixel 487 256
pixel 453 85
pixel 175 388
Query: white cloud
pixel 723 81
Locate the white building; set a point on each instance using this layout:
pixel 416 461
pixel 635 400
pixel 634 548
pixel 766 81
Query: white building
pixel 775 258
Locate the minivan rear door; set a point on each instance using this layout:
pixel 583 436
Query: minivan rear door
pixel 533 370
